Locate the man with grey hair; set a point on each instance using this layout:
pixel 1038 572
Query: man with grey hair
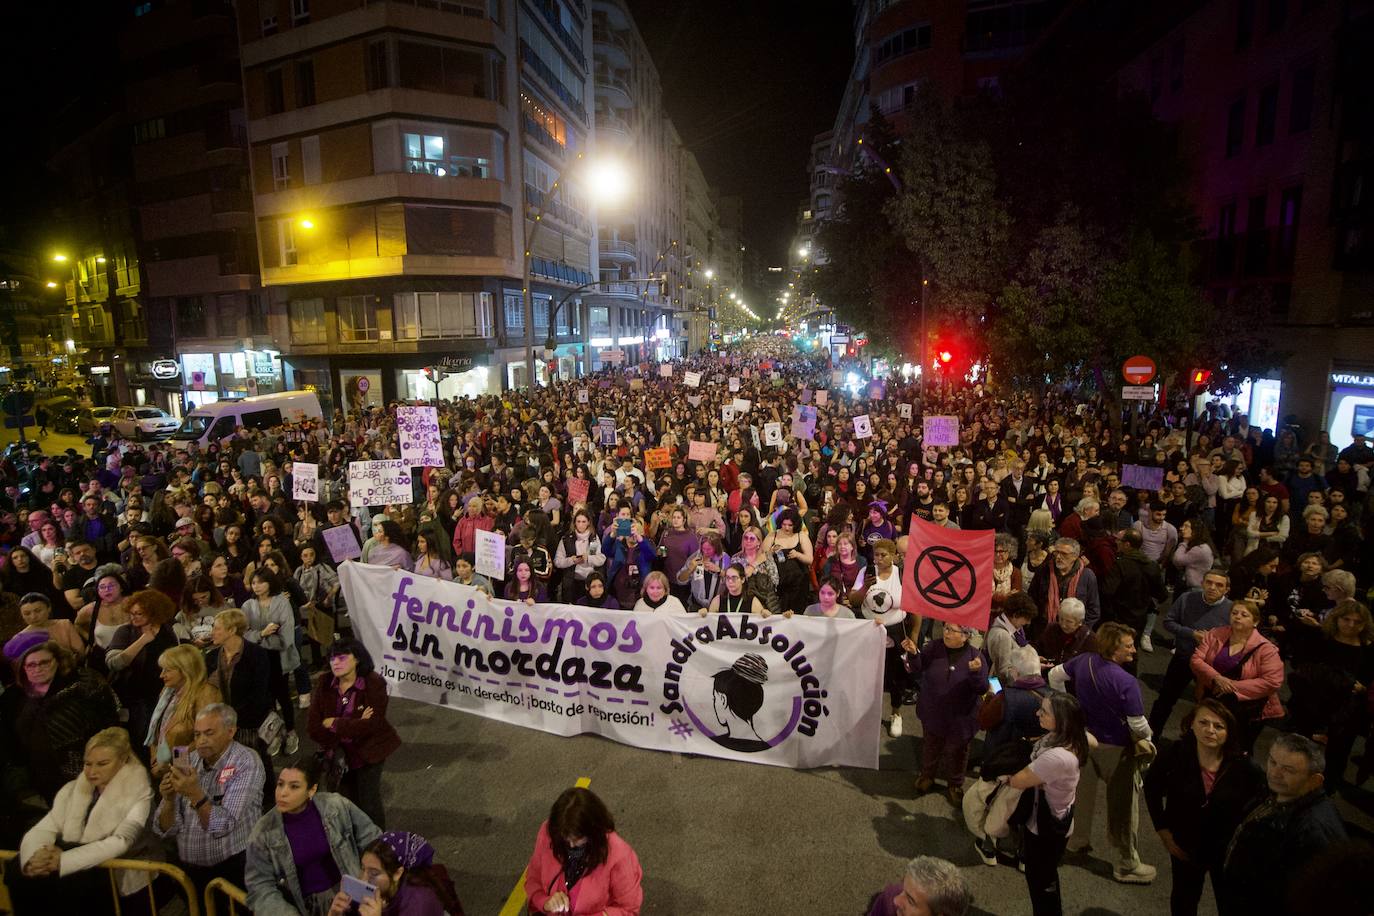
pixel 1067 576
pixel 929 887
pixel 1071 526
pixel 211 798
pixel 1278 839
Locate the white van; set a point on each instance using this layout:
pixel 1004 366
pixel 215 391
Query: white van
pixel 217 421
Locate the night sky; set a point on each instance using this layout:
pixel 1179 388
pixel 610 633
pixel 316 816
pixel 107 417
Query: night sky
pixel 748 83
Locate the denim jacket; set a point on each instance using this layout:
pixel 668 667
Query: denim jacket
pixel 270 872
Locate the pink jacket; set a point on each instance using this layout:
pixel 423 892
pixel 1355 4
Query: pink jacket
pixel 1260 676
pixel 612 888
pixel 465 532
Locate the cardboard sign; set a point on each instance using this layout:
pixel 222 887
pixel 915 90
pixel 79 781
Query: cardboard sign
pixel 657 458
pixel 772 433
pixel 693 379
pixel 742 405
pixel 305 482
pixel 694 400
pixel 837 377
pixel 665 370
pixel 490 554
pixel 904 411
pixel 727 414
pixel 584 396
pixel 422 446
pixel 734 384
pixel 940 431
pixel 636 384
pixel 342 543
pixel 379 483
pixel 803 422
pixel 606 428
pixel 805 397
pixel 863 427
pixel 822 398
pixel 578 488
pixel 1140 477
pixel 702 451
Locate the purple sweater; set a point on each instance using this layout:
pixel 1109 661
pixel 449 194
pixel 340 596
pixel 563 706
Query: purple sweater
pixel 310 849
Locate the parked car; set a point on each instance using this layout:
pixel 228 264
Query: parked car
pixel 91 419
pixel 143 422
pixel 65 418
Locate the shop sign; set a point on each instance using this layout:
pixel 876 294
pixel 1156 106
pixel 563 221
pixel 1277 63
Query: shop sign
pixel 461 363
pixel 164 369
pixel 100 370
pixel 1352 380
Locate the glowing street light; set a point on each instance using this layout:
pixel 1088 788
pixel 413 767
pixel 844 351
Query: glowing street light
pixel 52 284
pixel 710 274
pixel 608 181
pixel 60 258
pixel 306 222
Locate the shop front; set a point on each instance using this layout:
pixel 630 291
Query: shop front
pixel 1349 405
pixel 460 376
pixel 234 374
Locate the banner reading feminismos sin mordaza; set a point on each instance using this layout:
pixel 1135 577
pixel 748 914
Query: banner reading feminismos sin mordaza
pixel 804 692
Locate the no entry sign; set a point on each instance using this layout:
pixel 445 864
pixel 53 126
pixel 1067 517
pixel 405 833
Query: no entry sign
pixel 1138 370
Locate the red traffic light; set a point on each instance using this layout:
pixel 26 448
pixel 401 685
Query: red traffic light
pixel 945 356
pixel 1198 379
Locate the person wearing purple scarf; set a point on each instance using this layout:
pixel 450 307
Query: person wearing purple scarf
pixel 401 867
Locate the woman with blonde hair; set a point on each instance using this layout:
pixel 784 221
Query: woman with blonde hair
pixel 101 814
pixel 185 693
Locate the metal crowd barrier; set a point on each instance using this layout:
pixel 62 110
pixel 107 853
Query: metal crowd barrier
pixel 236 897
pixel 153 869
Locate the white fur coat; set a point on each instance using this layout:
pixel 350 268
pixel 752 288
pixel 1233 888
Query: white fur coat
pixel 116 826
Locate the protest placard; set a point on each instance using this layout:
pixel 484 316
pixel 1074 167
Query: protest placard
pixel 772 433
pixel 694 400
pixel 822 398
pixel 342 542
pixel 657 458
pixel 490 554
pixel 803 422
pixel 665 370
pixel 701 451
pixel 904 411
pixel 422 446
pixel 305 482
pixel 606 428
pixel 939 430
pixel 583 396
pixel 693 379
pixel 379 483
pixel 578 488
pixel 727 414
pixel 1140 477
pixel 742 405
pixel 863 427
pixel 734 384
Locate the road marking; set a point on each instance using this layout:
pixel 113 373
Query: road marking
pixel 515 903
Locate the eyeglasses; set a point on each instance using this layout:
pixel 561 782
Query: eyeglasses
pixel 38 664
pixel 751 537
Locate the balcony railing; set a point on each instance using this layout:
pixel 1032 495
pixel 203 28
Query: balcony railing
pixel 610 124
pixel 571 42
pixel 537 64
pixel 550 206
pixel 536 132
pixel 617 247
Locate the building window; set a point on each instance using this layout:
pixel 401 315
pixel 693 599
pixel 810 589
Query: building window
pixel 305 83
pixel 257 314
pixel 378 65
pixel 565 322
pixel 916 38
pixel 1267 118
pixel 276 91
pixel 1235 127
pixel 515 313
pixel 1300 111
pixel 269 26
pixel 357 318
pixel 190 316
pixel 437 68
pixel 286 243
pixel 281 166
pixel 541 314
pixel 310 160
pixel 422 316
pixel 152 129
pixel 300 11
pixel 1256 239
pixel 307 321
pixel 1290 209
pixel 550 127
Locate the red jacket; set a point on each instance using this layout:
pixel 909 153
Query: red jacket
pixel 613 887
pixel 373 739
pixel 1260 676
pixel 465 532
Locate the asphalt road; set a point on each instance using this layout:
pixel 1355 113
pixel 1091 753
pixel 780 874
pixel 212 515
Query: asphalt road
pixel 719 837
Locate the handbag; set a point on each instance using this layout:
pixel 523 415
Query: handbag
pixel 271 728
pixel 1243 710
pixel 333 768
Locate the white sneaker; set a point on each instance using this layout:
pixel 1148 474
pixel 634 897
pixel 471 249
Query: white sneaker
pixel 304 701
pixel 1145 643
pixel 895 729
pixel 274 747
pixel 293 744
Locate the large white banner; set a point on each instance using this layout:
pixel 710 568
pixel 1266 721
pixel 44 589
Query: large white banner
pixel 379 483
pixel 804 692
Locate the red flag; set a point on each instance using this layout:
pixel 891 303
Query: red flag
pixel 948 574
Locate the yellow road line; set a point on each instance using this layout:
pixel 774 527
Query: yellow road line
pixel 515 903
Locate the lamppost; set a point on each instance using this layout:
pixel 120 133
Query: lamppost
pixel 607 182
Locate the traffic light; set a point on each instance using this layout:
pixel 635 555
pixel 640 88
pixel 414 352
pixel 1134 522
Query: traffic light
pixel 944 356
pixel 1197 381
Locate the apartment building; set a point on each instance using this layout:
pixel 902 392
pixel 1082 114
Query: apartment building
pixel 404 156
pixel 1273 104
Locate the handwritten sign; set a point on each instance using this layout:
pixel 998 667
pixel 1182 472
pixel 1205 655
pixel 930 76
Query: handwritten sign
pixel 1140 477
pixel 693 379
pixel 379 483
pixel 701 451
pixel 863 427
pixel 772 433
pixel 657 458
pixel 803 422
pixel 694 400
pixel 734 383
pixel 822 398
pixel 939 430
pixel 805 397
pixel 606 427
pixel 490 554
pixel 578 488
pixel 742 405
pixel 342 543
pixel 665 370
pixel 305 482
pixel 904 411
pixel 421 444
pixel 636 384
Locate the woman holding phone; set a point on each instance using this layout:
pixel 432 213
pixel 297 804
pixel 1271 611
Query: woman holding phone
pixel 580 865
pixel 399 877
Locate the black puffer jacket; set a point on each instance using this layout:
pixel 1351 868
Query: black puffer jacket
pixel 51 731
pixel 1202 824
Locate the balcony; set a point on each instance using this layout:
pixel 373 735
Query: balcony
pixel 536 132
pixel 616 250
pixel 572 43
pixel 611 47
pixel 612 129
pixel 614 89
pixel 618 290
pixel 545 72
pixel 548 206
pixel 559 273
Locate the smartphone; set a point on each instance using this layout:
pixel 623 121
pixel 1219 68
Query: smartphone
pixel 181 757
pixel 995 684
pixel 623 527
pixel 357 889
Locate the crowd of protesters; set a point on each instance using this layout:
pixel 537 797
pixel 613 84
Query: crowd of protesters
pixel 185 600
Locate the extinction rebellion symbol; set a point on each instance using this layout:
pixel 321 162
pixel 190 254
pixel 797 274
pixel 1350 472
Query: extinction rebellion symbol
pixel 945 577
